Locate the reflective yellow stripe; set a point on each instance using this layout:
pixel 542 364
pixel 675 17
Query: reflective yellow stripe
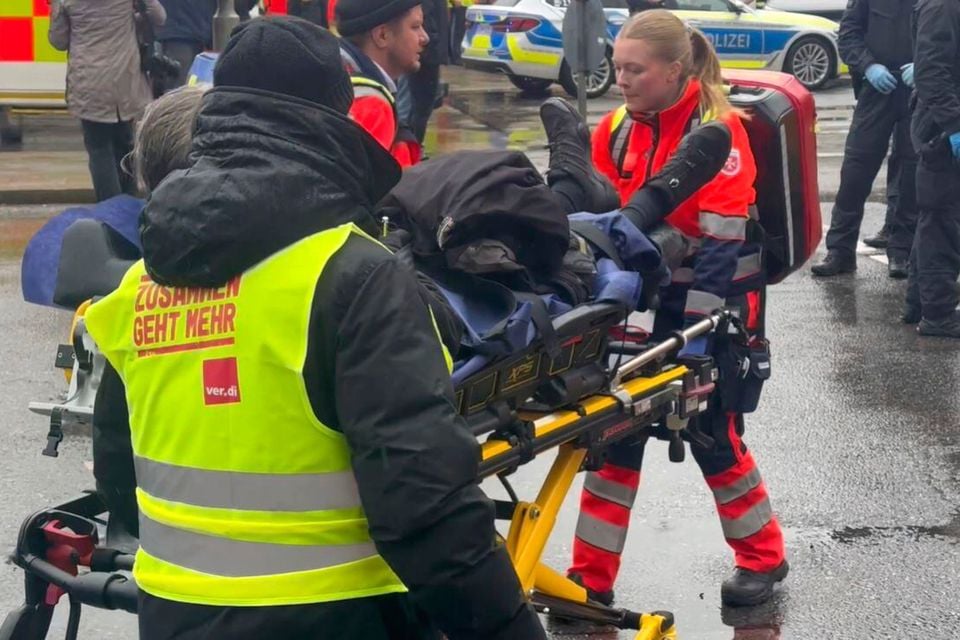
pixel 519 54
pixel 331 526
pixel 171 582
pixel 618 117
pixel 363 87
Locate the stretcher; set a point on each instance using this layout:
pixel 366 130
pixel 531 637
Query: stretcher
pixel 522 406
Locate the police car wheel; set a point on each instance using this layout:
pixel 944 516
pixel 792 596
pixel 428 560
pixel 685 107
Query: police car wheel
pixel 531 86
pixel 598 82
pixel 811 61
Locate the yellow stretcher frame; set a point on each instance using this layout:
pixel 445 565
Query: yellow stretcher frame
pixel 533 522
pixel 628 408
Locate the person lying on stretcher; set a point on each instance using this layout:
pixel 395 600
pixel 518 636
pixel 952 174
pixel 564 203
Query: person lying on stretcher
pixel 172 227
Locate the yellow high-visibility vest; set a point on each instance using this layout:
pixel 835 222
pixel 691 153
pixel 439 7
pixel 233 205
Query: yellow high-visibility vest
pixel 246 498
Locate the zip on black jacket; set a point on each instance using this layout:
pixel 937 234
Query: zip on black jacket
pixel 267 171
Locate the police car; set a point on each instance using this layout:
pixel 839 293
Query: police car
pixel 522 38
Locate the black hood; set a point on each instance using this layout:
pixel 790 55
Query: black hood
pixel 267 170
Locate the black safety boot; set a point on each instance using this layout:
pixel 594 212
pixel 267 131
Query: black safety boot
pixel 568 137
pixel 898 269
pixel 948 327
pixel 911 314
pixel 603 597
pixel 570 626
pixel 835 264
pixel 880 240
pixel 701 155
pixel 747 588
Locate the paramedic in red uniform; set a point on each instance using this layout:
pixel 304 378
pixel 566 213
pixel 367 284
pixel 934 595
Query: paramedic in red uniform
pixel 382 40
pixel 670 77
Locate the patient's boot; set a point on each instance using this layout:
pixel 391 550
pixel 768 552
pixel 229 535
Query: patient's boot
pixel 701 155
pixel 569 140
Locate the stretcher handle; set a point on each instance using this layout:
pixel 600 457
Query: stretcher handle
pixel 100 590
pixel 668 346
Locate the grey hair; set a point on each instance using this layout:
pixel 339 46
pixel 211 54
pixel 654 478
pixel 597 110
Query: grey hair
pixel 164 135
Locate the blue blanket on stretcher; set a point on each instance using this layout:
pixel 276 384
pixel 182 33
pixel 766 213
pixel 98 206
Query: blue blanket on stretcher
pixel 493 331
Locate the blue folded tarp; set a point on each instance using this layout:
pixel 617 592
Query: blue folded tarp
pixel 38 272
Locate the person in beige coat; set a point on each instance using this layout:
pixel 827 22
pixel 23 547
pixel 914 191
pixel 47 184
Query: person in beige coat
pixel 106 89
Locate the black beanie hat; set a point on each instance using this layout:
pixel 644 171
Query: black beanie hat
pixel 286 55
pixel 358 16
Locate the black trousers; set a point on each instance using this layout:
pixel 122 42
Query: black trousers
pixel 935 266
pixel 107 144
pixel 876 118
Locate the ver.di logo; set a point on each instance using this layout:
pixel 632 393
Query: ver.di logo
pixel 221 384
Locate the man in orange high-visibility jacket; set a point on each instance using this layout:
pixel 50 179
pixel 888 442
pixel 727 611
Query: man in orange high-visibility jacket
pixel 380 42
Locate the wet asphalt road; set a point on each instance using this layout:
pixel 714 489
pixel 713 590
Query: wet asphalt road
pixel 858 438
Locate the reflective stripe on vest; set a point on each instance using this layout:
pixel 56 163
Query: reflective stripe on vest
pixel 246 498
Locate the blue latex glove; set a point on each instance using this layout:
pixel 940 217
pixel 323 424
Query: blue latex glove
pixel 881 78
pixel 906 73
pixel 695 347
pixel 955 144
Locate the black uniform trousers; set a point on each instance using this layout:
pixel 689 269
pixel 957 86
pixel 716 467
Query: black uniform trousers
pixel 876 118
pixel 935 267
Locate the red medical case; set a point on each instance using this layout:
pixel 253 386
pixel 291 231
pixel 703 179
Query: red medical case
pixel 782 131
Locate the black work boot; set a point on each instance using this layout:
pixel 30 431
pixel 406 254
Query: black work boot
pixel 570 626
pixel 911 314
pixel 603 597
pixel 747 588
pixel 948 327
pixel 898 268
pixel 880 240
pixel 834 264
pixel 701 155
pixel 568 137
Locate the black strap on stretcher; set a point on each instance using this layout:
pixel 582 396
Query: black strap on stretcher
pixel 598 239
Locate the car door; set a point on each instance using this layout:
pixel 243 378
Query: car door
pixel 736 34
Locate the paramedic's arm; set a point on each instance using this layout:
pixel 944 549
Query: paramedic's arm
pixel 852 41
pixel 156 13
pixel 59 31
pixel 935 55
pixel 416 464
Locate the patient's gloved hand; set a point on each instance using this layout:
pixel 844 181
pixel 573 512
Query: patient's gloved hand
pixel 696 347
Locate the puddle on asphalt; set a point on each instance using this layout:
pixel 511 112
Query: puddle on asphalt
pixel 851 535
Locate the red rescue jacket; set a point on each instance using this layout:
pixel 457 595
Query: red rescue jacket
pixel 628 150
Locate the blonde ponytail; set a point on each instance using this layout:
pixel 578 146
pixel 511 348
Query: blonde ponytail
pixel 674 41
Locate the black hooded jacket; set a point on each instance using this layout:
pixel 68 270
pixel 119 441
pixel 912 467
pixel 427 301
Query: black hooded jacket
pixel 267 171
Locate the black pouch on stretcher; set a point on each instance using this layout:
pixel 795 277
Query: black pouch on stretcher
pixel 743 365
pixel 782 131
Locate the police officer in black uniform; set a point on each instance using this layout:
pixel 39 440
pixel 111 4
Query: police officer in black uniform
pixel 875 41
pixel 932 294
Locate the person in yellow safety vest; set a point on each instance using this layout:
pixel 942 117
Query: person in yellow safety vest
pixel 302 471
